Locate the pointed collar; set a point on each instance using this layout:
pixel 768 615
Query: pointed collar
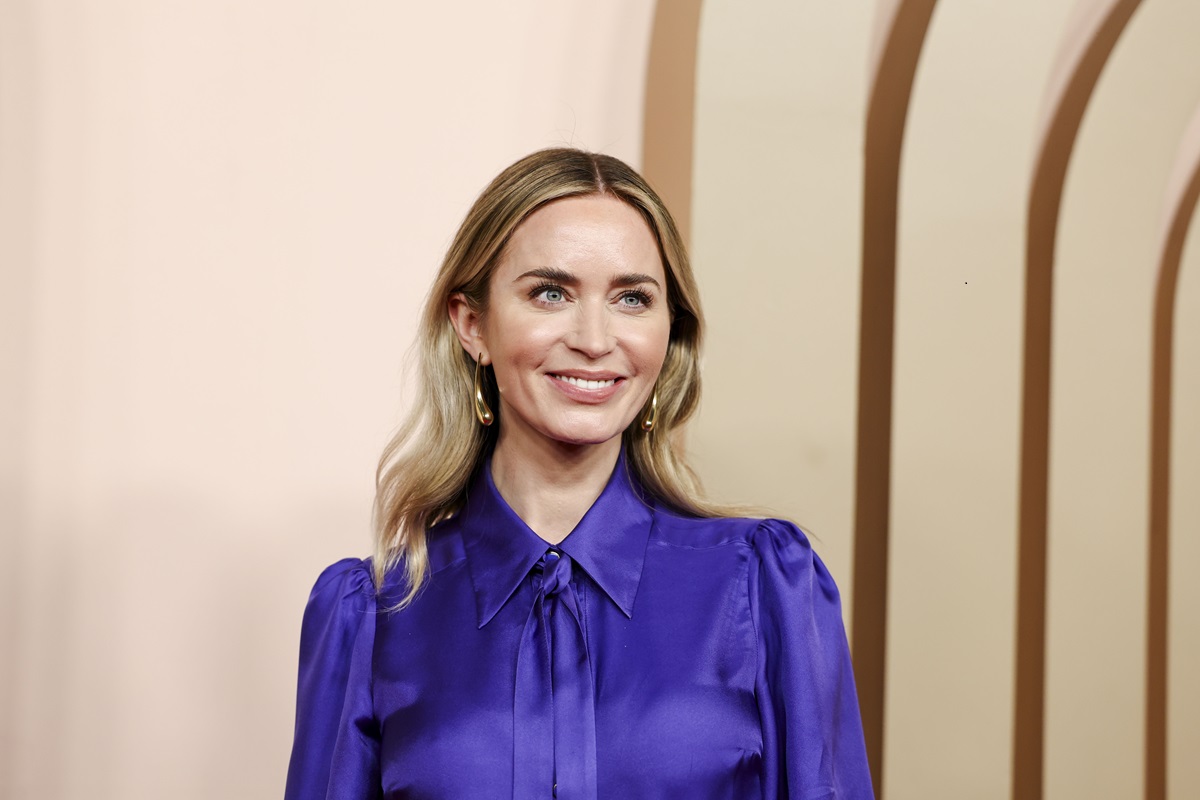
pixel 609 543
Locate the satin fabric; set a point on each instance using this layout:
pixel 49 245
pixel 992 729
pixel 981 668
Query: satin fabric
pixel 648 655
pixel 553 692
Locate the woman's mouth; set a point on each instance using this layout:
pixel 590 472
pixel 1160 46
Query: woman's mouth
pixel 584 383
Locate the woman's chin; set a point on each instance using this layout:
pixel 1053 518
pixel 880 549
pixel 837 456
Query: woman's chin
pixel 585 435
pixel 588 440
pixel 568 428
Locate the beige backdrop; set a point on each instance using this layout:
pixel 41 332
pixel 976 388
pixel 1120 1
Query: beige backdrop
pixel 217 221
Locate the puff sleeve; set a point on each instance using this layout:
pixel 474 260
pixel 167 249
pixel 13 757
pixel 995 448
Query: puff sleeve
pixel 812 732
pixel 335 753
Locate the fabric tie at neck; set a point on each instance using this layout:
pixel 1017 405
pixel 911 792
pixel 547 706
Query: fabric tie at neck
pixel 556 569
pixel 554 704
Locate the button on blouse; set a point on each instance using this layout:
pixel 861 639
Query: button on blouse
pixel 648 655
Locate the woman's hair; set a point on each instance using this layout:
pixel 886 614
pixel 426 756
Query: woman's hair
pixel 425 470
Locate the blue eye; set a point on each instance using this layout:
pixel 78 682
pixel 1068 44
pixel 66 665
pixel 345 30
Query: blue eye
pixel 636 299
pixel 548 293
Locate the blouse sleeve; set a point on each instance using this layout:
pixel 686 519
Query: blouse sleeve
pixel 335 753
pixel 812 731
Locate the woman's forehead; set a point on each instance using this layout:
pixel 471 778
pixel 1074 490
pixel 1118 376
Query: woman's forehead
pixel 592 234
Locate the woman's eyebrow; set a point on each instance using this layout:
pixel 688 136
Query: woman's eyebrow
pixel 631 278
pixel 548 274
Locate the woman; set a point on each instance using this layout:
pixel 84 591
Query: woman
pixel 552 609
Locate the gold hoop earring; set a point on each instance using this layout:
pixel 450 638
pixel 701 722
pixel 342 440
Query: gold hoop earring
pixel 652 417
pixel 482 412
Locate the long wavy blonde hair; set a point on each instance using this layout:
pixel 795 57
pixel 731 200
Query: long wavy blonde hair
pixel 425 470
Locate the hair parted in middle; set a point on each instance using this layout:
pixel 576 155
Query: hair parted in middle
pixel 425 470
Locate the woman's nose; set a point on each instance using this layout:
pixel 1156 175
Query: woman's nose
pixel 591 334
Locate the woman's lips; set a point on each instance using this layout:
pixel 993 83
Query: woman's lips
pixel 584 383
pixel 586 390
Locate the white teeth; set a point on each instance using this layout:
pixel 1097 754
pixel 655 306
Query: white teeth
pixel 582 384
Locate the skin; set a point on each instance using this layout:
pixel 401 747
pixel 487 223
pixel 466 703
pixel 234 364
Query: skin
pixel 580 292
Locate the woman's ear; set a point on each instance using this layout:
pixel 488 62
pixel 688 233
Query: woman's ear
pixel 468 324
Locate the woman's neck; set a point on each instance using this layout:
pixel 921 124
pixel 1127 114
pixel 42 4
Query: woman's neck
pixel 550 485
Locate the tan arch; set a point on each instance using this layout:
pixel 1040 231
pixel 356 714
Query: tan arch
pixel 668 132
pixel 900 29
pixel 1182 195
pixel 1085 49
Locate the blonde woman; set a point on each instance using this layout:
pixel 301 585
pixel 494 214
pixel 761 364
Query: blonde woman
pixel 553 610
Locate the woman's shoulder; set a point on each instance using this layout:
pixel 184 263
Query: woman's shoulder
pixel 350 570
pixel 776 553
pixel 348 581
pixel 341 607
pixel 762 534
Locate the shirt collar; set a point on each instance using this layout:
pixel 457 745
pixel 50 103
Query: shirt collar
pixel 609 543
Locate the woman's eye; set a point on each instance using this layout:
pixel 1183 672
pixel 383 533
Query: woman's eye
pixel 635 300
pixel 552 295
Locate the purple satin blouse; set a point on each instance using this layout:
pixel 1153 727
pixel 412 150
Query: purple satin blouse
pixel 649 655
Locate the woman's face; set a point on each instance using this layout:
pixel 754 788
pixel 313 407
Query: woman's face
pixel 577 322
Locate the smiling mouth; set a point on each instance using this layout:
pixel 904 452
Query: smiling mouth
pixel 584 384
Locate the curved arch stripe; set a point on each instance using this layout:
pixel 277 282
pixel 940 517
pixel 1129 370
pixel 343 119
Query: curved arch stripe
pixel 900 35
pixel 1181 204
pixel 1085 50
